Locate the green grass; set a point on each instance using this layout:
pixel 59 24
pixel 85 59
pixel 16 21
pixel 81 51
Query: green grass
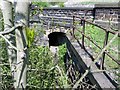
pixel 98 36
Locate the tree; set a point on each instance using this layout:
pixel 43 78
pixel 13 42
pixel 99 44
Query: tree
pixel 21 16
pixel 6 7
pixel 18 64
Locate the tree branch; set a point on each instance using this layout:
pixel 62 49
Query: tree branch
pixel 8 42
pixel 11 30
pixel 80 80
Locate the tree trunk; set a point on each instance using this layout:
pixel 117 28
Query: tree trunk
pixel 21 16
pixel 6 7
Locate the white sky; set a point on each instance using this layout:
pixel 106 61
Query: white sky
pixel 68 0
pixel 93 0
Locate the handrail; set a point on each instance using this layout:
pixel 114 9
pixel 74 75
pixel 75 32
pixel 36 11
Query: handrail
pixel 102 28
pixel 83 21
pixel 107 31
pixel 98 46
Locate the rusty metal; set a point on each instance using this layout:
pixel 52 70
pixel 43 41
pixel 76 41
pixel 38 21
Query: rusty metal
pixel 100 47
pixel 73 24
pixel 102 28
pixel 83 40
pixel 103 55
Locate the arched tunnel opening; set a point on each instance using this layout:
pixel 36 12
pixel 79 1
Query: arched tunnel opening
pixel 56 38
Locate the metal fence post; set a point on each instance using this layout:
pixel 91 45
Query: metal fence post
pixel 103 55
pixel 83 40
pixel 73 25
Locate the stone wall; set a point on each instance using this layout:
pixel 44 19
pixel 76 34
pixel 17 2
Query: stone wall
pixel 107 12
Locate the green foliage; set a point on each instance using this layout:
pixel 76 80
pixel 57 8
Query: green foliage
pixel 41 4
pixel 40 59
pixel 53 3
pixel 44 73
pixel 63 78
pixel 98 36
pixel 30 33
pixel 3 51
pixel 1 21
pixel 61 4
pixel 62 51
pixel 5 69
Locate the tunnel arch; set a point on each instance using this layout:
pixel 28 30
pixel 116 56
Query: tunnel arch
pixel 56 38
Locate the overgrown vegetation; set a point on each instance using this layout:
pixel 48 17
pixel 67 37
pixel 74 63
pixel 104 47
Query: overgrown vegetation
pixel 41 4
pixel 48 4
pixel 43 72
pixel 6 81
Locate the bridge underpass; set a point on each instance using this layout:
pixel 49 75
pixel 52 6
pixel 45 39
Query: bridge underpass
pixel 82 60
pixel 76 53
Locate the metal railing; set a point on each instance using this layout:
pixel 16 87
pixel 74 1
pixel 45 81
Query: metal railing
pixel 107 32
pixel 69 21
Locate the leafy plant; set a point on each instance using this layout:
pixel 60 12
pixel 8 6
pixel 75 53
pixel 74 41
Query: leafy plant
pixel 30 33
pixel 41 4
pixel 62 51
pixel 61 4
pixel 4 68
pixel 42 71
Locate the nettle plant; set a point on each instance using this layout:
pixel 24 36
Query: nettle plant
pixel 43 73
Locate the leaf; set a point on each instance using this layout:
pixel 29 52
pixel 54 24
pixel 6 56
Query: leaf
pixel 30 34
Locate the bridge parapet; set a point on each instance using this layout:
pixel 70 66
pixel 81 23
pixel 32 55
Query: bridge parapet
pixel 107 14
pixel 102 13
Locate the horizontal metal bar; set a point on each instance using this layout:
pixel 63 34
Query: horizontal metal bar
pixel 102 28
pixel 99 47
pixel 98 79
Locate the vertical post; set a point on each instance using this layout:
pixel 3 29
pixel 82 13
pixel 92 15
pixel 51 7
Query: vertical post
pixel 93 12
pixel 83 40
pixel 73 25
pixel 103 55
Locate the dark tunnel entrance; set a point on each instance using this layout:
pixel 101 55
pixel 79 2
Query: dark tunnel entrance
pixel 56 38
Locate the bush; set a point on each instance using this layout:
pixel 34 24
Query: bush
pixel 43 72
